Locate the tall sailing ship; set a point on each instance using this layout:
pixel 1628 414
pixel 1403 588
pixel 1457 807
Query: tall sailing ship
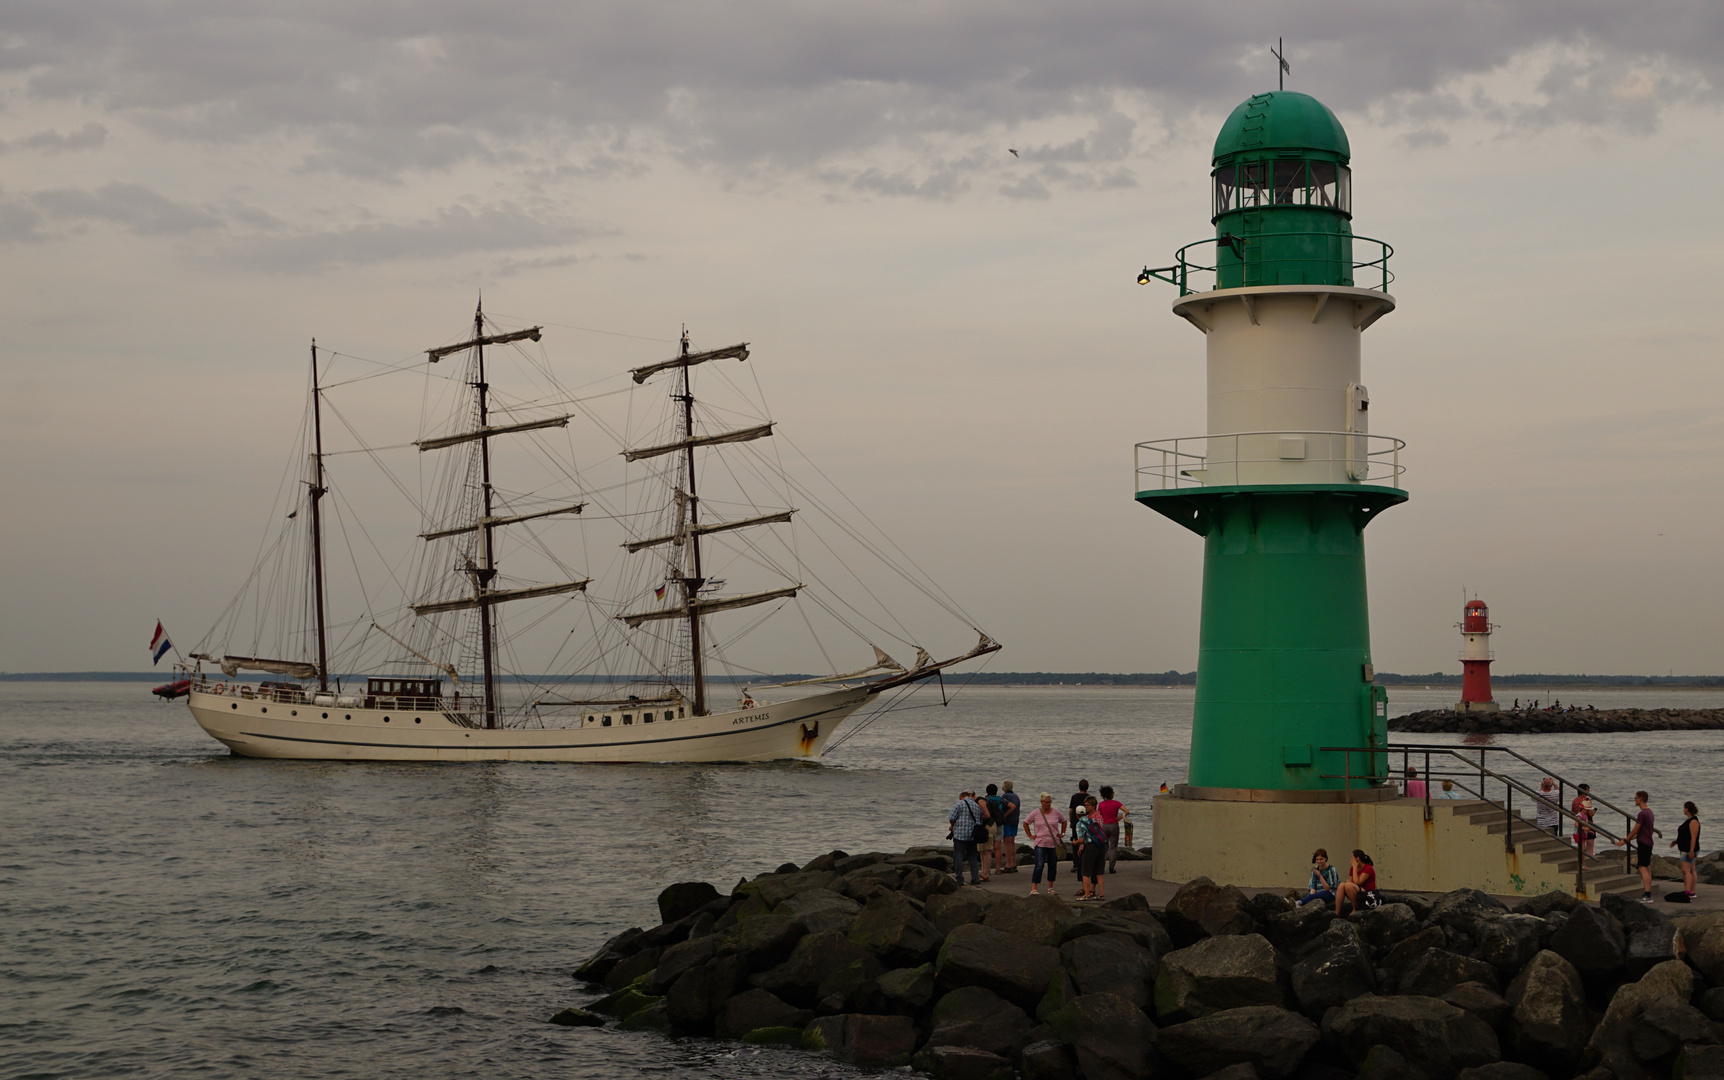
pixel 442 691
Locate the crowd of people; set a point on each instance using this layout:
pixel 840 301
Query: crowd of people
pixel 985 829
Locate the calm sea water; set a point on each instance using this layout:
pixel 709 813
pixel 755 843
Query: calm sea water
pixel 168 909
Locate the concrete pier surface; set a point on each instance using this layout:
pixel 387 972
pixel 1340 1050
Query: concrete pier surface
pixel 1139 877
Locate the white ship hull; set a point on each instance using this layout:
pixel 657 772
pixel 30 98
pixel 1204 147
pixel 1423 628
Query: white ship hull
pixel 270 727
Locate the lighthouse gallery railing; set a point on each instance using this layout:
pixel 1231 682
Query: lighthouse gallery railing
pixel 1198 461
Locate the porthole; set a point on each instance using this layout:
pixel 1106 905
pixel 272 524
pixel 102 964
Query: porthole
pixel 264 709
pixel 385 719
pixel 235 705
pixel 415 719
pixel 326 716
pixel 294 712
pixel 350 716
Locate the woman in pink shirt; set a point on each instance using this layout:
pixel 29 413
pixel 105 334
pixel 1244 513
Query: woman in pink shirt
pixel 1109 812
pixel 1045 826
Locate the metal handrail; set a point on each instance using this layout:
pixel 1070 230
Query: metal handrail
pixel 1179 274
pixel 1178 468
pixel 1510 786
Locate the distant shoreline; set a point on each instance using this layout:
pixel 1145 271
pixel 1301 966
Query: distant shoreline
pixel 1167 679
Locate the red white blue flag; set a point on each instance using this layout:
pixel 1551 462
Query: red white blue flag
pixel 159 644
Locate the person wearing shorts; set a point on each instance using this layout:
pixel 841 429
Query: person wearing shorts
pixel 1092 860
pixel 1642 837
pixel 1009 830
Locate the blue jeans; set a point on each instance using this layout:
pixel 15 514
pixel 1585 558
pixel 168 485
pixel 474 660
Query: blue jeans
pixel 1045 857
pixel 1325 896
pixel 964 854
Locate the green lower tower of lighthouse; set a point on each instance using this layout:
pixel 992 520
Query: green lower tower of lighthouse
pixel 1287 475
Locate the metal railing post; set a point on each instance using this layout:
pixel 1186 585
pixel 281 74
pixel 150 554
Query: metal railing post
pixel 1427 785
pixel 1508 821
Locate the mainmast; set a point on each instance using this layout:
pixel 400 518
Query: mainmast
pixel 692 579
pixel 317 490
pixel 488 564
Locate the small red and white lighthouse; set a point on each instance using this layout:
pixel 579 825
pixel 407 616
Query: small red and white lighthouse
pixel 1476 657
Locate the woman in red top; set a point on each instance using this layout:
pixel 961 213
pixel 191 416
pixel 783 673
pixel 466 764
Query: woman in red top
pixel 1361 885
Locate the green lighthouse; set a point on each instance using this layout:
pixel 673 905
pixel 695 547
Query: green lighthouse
pixel 1287 476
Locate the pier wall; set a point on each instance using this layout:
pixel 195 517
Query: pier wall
pixel 1269 845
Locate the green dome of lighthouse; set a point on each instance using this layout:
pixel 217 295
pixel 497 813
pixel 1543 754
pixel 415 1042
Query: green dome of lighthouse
pixel 1281 120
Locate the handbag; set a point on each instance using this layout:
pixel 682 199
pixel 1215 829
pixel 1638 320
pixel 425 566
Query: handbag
pixel 1059 845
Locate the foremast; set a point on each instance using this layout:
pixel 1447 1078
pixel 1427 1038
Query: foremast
pixel 318 488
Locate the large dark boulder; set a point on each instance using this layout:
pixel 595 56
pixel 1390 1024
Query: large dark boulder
pixel 1141 927
pixel 951 910
pixel 1110 1035
pixel 1481 1001
pixel 1464 907
pixel 1440 1038
pixel 1385 1063
pixel 752 1010
pixel 1611 1043
pixel 632 968
pixel 1705 941
pixel 1048 1059
pixel 764 942
pixel 1502 1070
pixel 1271 1039
pixel 1590 939
pixel 1291 931
pixel 816 965
pixel 1014 967
pixel 907 990
pixel 894 929
pixel 1696 1063
pixel 1334 969
pixel 1184 911
pixel 921 883
pixel 1230 911
pixel 624 1003
pixel 1041 919
pixel 821 911
pixel 1666 1025
pixel 700 992
pixel 1649 946
pixel 861 885
pixel 1549 1024
pixel 976 1016
pixel 1397 958
pixel 849 863
pixel 1381 929
pixel 961 1063
pixel 1545 903
pixel 1507 942
pixel 1711 1002
pixel 1216 974
pixel 597 966
pixel 1630 913
pixel 1111 964
pixel 1435 972
pixel 680 958
pixel 684 898
pixel 825 862
pixel 881 1041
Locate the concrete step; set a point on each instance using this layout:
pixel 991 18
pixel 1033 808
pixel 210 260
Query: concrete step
pixel 1621 883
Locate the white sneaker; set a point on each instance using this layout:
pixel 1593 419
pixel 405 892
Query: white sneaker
pixel 1647 899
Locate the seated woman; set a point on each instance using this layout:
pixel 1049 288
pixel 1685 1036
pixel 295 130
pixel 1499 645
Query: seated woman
pixel 1324 879
pixel 1360 888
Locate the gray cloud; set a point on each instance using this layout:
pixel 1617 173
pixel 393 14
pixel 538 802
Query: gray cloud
pixel 89 137
pixel 130 206
pixel 385 89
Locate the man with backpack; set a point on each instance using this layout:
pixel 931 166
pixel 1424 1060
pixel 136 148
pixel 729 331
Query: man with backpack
pixel 997 808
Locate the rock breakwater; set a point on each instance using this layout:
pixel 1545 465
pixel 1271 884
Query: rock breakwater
pixel 1558 721
pixel 883 960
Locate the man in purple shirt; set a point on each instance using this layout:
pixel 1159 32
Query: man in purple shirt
pixel 1642 836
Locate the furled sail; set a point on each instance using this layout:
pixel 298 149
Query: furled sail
pixel 499 596
pixel 708 530
pixel 926 667
pixel 733 352
pixel 882 662
pixel 515 519
pixel 530 334
pixel 231 665
pixel 741 435
pixel 707 607
pixel 486 432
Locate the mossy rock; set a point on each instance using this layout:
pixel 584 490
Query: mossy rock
pixel 775 1036
pixel 654 1017
pixel 624 1003
pixel 813 1039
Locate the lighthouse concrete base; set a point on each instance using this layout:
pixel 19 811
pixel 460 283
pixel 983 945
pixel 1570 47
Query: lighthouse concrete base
pixel 1255 843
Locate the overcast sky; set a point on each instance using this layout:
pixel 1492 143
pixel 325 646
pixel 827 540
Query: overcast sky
pixel 190 191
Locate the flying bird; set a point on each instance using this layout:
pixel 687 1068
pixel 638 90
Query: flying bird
pixel 1012 152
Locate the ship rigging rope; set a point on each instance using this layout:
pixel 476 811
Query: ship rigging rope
pixel 907 693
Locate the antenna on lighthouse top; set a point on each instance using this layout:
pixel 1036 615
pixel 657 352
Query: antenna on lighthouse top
pixel 1279 53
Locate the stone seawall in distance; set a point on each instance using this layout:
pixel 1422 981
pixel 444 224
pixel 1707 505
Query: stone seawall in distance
pixel 1553 721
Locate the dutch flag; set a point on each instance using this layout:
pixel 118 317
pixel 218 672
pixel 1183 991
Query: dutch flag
pixel 159 644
